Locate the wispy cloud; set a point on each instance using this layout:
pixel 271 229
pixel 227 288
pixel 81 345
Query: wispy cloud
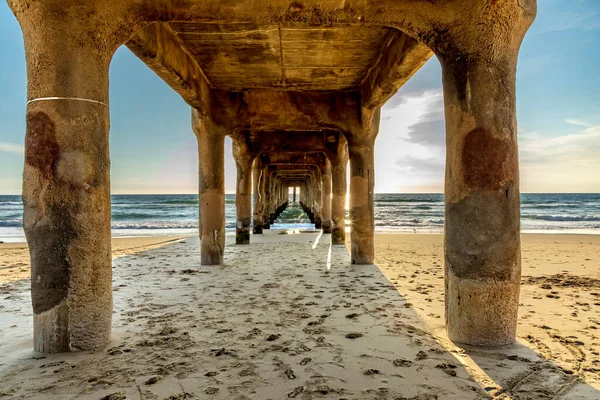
pixel 568 162
pixel 576 122
pixel 537 147
pixel 580 15
pixel 11 148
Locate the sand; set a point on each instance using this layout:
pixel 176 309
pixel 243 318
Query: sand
pixel 559 314
pixel 288 317
pixel 14 257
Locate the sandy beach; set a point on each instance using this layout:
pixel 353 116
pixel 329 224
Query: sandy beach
pixel 559 314
pixel 289 317
pixel 14 257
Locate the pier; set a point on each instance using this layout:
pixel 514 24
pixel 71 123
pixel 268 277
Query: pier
pixel 299 87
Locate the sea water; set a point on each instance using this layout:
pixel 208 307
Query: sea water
pixel 143 215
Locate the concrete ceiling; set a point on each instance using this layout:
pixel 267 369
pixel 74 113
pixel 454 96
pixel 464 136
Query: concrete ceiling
pixel 236 56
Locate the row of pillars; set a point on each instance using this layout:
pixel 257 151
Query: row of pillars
pixel 66 179
pixel 67 219
pixel 322 184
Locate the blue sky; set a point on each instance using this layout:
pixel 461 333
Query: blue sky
pixel 153 149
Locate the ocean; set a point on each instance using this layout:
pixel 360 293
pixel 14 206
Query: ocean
pixel 145 215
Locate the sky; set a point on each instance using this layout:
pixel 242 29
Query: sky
pixel 153 148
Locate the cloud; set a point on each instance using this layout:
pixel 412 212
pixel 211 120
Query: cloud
pixel 564 16
pixel 576 122
pixel 409 151
pixel 568 162
pixel 426 79
pixel 426 167
pixel 11 148
pixel 430 129
pixel 537 147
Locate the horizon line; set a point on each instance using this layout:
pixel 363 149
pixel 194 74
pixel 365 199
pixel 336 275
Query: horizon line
pixel 194 193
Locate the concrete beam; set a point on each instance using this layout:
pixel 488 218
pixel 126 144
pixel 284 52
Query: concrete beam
pixel 269 110
pixel 413 16
pixel 401 56
pixel 160 48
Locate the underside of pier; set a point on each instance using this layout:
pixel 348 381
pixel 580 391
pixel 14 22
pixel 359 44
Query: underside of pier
pixel 298 86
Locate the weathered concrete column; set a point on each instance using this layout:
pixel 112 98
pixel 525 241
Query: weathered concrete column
pixel 294 194
pixel 318 199
pixel 243 193
pixel 339 166
pixel 266 195
pixel 482 232
pixel 258 180
pixel 326 187
pixel 361 146
pixel 273 198
pixel 212 190
pixel 66 178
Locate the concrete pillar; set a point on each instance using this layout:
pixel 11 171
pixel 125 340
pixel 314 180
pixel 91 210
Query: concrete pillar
pixel 318 199
pixel 258 181
pixel 339 166
pixel 284 193
pixel 212 195
pixel 482 232
pixel 482 240
pixel 273 203
pixel 266 217
pixel 361 147
pixel 66 178
pixel 362 216
pixel 294 195
pixel 326 222
pixel 243 191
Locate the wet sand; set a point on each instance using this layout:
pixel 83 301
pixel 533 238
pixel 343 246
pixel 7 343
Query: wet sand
pixel 288 317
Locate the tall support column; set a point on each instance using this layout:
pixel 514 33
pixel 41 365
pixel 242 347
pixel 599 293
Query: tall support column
pixel 482 232
pixel 361 146
pixel 294 194
pixel 257 179
pixel 318 199
pixel 266 199
pixel 66 177
pixel 339 167
pixel 274 198
pixel 212 192
pixel 326 223
pixel 243 193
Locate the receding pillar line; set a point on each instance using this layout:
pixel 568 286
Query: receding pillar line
pixel 212 192
pixel 482 223
pixel 243 195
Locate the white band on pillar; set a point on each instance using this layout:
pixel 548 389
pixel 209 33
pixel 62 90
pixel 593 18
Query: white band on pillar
pixel 66 98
